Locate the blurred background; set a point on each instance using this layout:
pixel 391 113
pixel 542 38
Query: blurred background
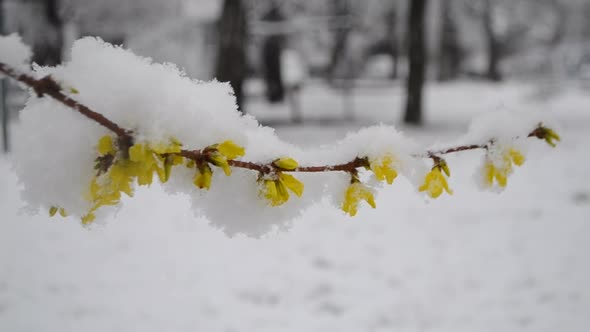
pixel 315 70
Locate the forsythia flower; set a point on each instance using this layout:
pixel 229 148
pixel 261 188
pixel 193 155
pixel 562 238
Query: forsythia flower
pixel 549 135
pixel 220 154
pixel 230 149
pixel 54 209
pixel 119 174
pixel 435 181
pixel 275 190
pixel 202 178
pixel 500 173
pixel 383 168
pixel 356 192
pixel 105 145
pixel 286 163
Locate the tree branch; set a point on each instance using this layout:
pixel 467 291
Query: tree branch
pixel 47 86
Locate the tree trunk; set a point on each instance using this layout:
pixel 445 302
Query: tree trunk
pixel 48 50
pixel 341 9
pixel 417 62
pixel 272 49
pixel 394 47
pixel 450 51
pixel 231 63
pixel 493 44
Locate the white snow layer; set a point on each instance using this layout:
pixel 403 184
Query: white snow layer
pixel 55 147
pixel 14 53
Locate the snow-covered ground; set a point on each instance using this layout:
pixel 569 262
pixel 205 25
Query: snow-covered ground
pixel 475 261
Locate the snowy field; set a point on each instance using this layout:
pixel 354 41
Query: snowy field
pixel 475 261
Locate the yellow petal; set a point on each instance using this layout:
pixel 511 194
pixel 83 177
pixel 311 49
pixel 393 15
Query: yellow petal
pixel 292 183
pixel 52 211
pixel 202 178
pixel 516 157
pixel 137 153
pixel 230 150
pixel 220 161
pixel 282 193
pixel 270 191
pixel 350 201
pixel 490 171
pixel 445 168
pixel 288 164
pixel 62 212
pixel 502 178
pixel 88 218
pixel 105 145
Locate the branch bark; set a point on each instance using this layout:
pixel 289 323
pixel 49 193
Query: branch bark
pixel 47 86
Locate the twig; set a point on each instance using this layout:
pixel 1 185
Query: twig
pixel 48 86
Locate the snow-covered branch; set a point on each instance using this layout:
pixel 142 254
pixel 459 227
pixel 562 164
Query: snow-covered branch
pixel 153 121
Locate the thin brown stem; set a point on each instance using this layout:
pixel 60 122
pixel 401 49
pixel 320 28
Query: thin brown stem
pixel 49 87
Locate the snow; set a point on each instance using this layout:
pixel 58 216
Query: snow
pixel 14 53
pixel 55 147
pixel 474 261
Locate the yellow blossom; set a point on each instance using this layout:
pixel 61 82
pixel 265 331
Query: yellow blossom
pixel 550 135
pixel 356 192
pixel 383 168
pixel 499 173
pixel 88 218
pixel 144 160
pixel 276 191
pixel 202 178
pixel 435 182
pixel 230 150
pixel 288 164
pixel 52 211
pixel 220 160
pixel 292 183
pixel 516 157
pixel 105 145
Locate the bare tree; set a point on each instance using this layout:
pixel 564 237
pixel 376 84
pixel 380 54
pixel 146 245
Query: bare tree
pixel 3 106
pixel 493 43
pixel 340 8
pixel 417 61
pixel 394 48
pixel 450 50
pixel 48 50
pixel 231 60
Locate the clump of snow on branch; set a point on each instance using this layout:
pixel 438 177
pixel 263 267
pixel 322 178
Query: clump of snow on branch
pixel 14 52
pixel 56 148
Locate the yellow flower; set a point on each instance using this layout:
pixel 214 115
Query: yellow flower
pixel 88 218
pixel 276 191
pixel 202 178
pixel 292 183
pixel 356 192
pixel 54 210
pixel 435 182
pixel 174 146
pixel 220 160
pixel 288 164
pixel 230 150
pixel 105 145
pixel 144 160
pixel 549 135
pixel 169 161
pixel 383 168
pixel 516 157
pixel 500 173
